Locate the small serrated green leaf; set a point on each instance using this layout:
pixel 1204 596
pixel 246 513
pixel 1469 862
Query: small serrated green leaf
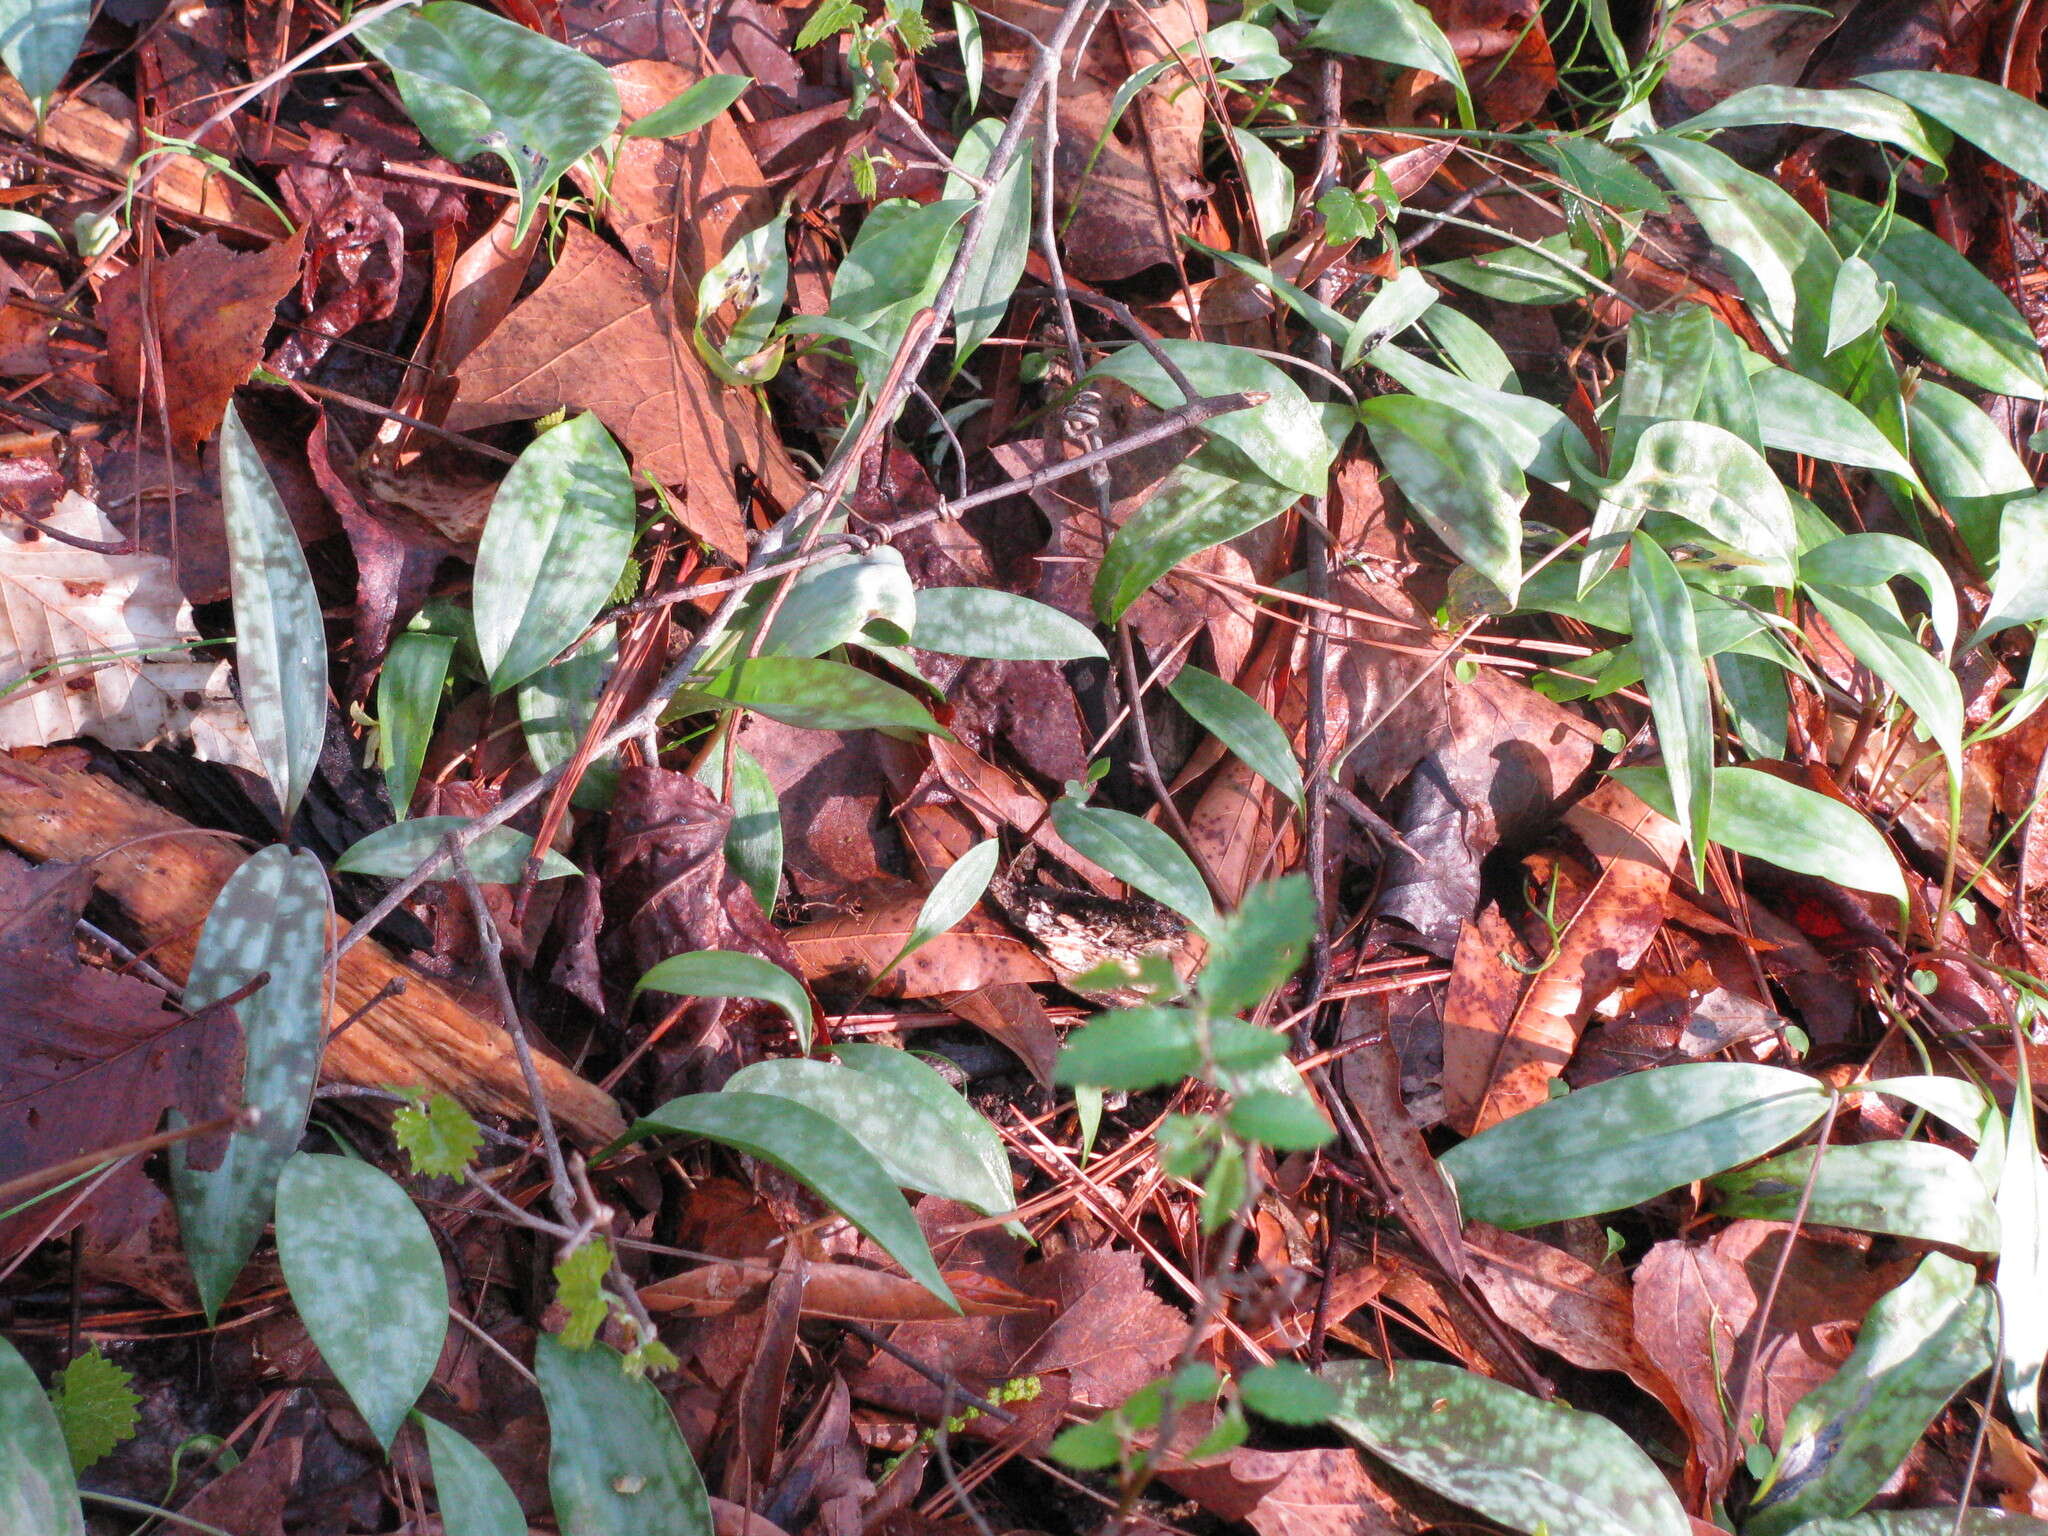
pixel 97 1406
pixel 579 1286
pixel 437 1135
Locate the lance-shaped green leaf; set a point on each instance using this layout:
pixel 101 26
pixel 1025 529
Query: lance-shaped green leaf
pixel 691 109
pixel 366 1277
pixel 1882 643
pixel 1866 562
pixel 1268 183
pixel 816 1152
pixel 280 638
pixel 729 973
pixel 1712 479
pixel 1919 1346
pixel 1398 32
pixel 1682 366
pixel 38 1489
pixel 921 1146
pixel 1675 677
pixel 2022 1276
pixel 1241 723
pixel 952 896
pixel 478 84
pixel 1796 415
pixel 1907 1188
pixel 559 532
pixel 617 1463
pixel 1137 853
pixel 914 1076
pixel 1530 1465
pixel 1967 463
pixel 1535 434
pixel 1859 305
pixel 2019 587
pixel 473 1497
pixel 1929 1522
pixel 408 698
pixel 1284 437
pixel 840 599
pixel 998 261
pixel 1867 114
pixel 1629 1139
pixel 1210 496
pixel 1762 816
pixel 754 276
pixel 1944 305
pixel 817 694
pixel 556 706
pixel 497 857
pixel 38 41
pixel 272 917
pixel 2007 126
pixel 890 272
pixel 753 842
pixel 1547 271
pixel 1458 478
pixel 978 621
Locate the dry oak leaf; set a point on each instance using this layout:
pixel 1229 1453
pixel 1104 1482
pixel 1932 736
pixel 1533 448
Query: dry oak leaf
pixel 117 627
pixel 593 338
pixel 213 308
pixel 1496 1066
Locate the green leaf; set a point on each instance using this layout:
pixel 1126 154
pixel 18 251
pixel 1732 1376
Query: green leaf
pixel 2004 124
pixel 1710 478
pixel 1459 479
pixel 560 530
pixel 1288 1393
pixel 1242 724
pixel 728 973
pixel 13 222
pixel 1867 114
pixel 922 1145
pixel 841 598
pixel 2019 587
pixel 1799 416
pixel 1929 1522
pixel 1601 174
pixel 1284 437
pixel 498 857
pixel 97 1407
pixel 1529 1465
pixel 1920 1345
pixel 1859 305
pixel 818 695
pixel 1868 561
pixel 557 704
pixel 828 20
pixel 754 274
pixel 1907 1188
pixel 1285 1122
pixel 1130 1050
pixel 1398 32
pixel 1209 497
pixel 617 1463
pixel 1675 677
pixel 940 1098
pixel 816 1152
pixel 38 41
pixel 1137 853
pixel 978 621
pixel 753 843
pixel 1968 464
pixel 365 1274
pixel 38 1489
pixel 1551 273
pixel 473 1496
pixel 1090 1447
pixel 998 261
pixel 273 915
pixel 1536 435
pixel 2021 1279
pixel 1268 183
pixel 579 1287
pixel 1682 366
pixel 437 1135
pixel 953 895
pixel 1882 643
pixel 1944 305
pixel 408 698
pixel 1762 816
pixel 1259 945
pixel 280 637
pixel 1629 1139
pixel 692 109
pixel 477 84
pixel 891 271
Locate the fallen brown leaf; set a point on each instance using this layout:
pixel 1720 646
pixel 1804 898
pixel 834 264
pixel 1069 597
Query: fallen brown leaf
pixel 848 1291
pixel 1295 1493
pixel 976 952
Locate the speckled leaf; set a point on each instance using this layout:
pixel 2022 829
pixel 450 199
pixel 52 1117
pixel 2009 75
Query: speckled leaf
pixel 1458 477
pixel 1210 496
pixel 1919 1346
pixel 727 973
pixel 975 621
pixel 1283 437
pixel 408 697
pixel 921 1147
pixel 366 1277
pixel 557 704
pixel 816 1152
pixel 473 1496
pixel 2022 1275
pixel 1878 638
pixel 38 41
pixel 38 1490
pixel 617 1464
pixel 1712 479
pixel 1929 1522
pixel 1675 677
pixel 273 915
pixel 1137 853
pixel 998 261
pixel 1868 562
pixel 1629 1139
pixel 1968 464
pixel 1867 114
pixel 498 857
pixel 2012 129
pixel 753 842
pixel 559 533
pixel 1796 415
pixel 916 1077
pixel 1906 1188
pixel 2019 587
pixel 840 599
pixel 1242 724
pixel 953 895
pixel 1530 1465
pixel 818 695
pixel 280 638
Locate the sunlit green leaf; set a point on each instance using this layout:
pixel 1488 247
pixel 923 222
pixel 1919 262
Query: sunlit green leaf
pixel 1455 474
pixel 753 274
pixel 1237 720
pixel 1882 643
pixel 2007 126
pixel 557 704
pixel 1675 677
pixel 1968 464
pixel 1929 1522
pixel 1867 114
pixel 1867 561
pixel 1210 496
pixel 617 1463
pixel 1535 434
pixel 1710 478
pixel 998 261
pixel 2019 587
pixel 1397 32
pixel 1797 415
pixel 408 697
pixel 1285 1122
pixel 1130 1050
pixel 580 1290
pixel 1685 365
pixel 753 843
pixel 842 598
pixel 473 1496
pixel 692 109
pixel 729 973
pixel 1137 853
pixel 819 695
pixel 2022 1275
pixel 914 1076
pixel 1907 1188
pixel 1283 438
pixel 1552 273
pixel 1268 183
pixel 979 621
pixel 498 857
pixel 891 271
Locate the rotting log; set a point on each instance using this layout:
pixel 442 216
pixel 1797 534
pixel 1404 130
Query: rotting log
pixel 164 873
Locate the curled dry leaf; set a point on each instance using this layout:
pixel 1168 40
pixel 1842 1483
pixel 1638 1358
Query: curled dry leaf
pixel 977 952
pixel 96 645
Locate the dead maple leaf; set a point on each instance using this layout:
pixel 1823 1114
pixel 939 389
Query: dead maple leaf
pixel 213 308
pixel 94 644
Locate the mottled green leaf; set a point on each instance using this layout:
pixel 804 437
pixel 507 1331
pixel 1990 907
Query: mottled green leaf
pixel 754 275
pixel 1868 561
pixel 1538 437
pixel 2019 587
pixel 1137 853
pixel 2007 126
pixel 840 598
pixel 38 1490
pixel 1396 32
pixel 1284 437
pixel 2021 1279
pixel 998 261
pixel 1867 114
pixel 1210 496
pixel 1675 677
pixel 1531 1466
pixel 365 1275
pixel 408 698
pixel 1929 1522
pixel 1629 1139
pixel 728 973
pixel 1967 463
pixel 473 1497
pixel 914 1076
pixel 818 695
pixel 274 916
pixel 1242 724
pixel 1907 1188
pixel 1797 415
pixel 557 704
pixel 38 41
pixel 1268 183
pixel 617 1463
pixel 979 621
pixel 1710 478
pixel 1882 642
pixel 753 843
pixel 691 109
pixel 1685 365
pixel 497 857
pixel 1455 474
pixel 280 637
pixel 1546 271
pixel 890 272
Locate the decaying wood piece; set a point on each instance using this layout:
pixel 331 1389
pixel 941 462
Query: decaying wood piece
pixel 164 873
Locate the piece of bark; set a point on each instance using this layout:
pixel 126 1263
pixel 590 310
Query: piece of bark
pixel 164 873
